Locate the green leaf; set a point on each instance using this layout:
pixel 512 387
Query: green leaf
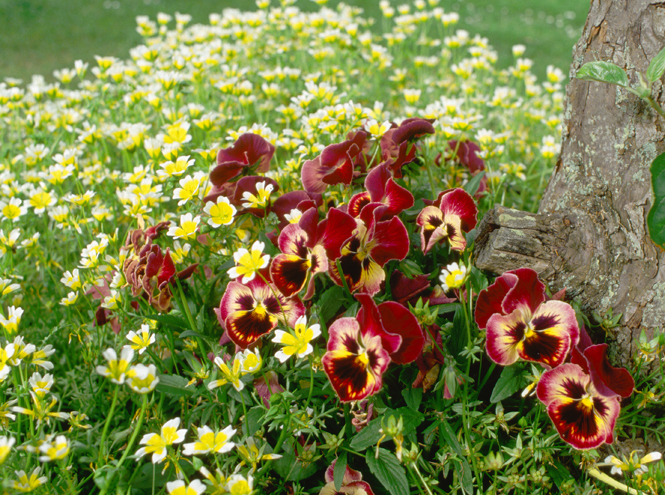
pixel 474 184
pixel 458 338
pixel 450 438
pixel 656 68
pixel 656 216
pixel 330 302
pixel 606 72
pixel 509 382
pixel 168 320
pixel 388 471
pixel 413 397
pixel 558 473
pixel 174 385
pixel 340 469
pixel 368 436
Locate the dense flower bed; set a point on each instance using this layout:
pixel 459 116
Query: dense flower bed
pixel 263 227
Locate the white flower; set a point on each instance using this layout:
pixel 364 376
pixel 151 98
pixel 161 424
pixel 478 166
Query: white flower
pixel 452 276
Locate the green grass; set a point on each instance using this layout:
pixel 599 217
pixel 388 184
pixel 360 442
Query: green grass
pixel 39 36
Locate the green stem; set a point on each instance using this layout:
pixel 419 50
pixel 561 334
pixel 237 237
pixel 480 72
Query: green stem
pixel 278 445
pixel 130 445
pixel 190 318
pixel 311 386
pixel 106 426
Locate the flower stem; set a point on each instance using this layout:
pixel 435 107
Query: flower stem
pixel 106 426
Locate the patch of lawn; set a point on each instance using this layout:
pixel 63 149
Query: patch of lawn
pixel 39 36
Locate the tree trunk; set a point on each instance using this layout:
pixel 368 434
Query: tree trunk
pixel 590 233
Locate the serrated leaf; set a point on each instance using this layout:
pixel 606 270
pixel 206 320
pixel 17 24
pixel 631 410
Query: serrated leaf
pixel 474 184
pixel 330 302
pixel 340 469
pixel 174 385
pixel 509 382
pixel 656 216
pixel 606 72
pixel 369 435
pixel 388 471
pixel 656 67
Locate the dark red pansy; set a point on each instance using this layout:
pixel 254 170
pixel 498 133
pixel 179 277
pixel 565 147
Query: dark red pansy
pixel 407 290
pixel 382 188
pixel 544 336
pixel 306 247
pixel 448 219
pixel 335 164
pixel 294 200
pixel 248 312
pixel 466 153
pixel 608 380
pixel 583 417
pixel 360 349
pixel 513 289
pixel 373 244
pixel 250 153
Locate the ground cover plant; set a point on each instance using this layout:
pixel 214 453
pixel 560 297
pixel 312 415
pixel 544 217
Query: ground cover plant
pixel 241 261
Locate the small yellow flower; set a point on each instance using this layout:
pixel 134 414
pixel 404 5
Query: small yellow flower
pixel 142 379
pixel 231 375
pixel 55 451
pixel 156 443
pixel 25 483
pixel 187 229
pixel 210 441
pixel 452 276
pixel 116 369
pixel 142 339
pixel 10 324
pixel 249 263
pixel 6 444
pixel 180 488
pixel 221 212
pixel 298 342
pixel 260 199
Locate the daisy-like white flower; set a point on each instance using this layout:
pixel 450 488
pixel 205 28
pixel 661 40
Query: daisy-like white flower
pixel 71 279
pixel 54 451
pixel 6 354
pixel 210 441
pixel 26 483
pixel 41 385
pixel 179 487
pixel 169 169
pixel 239 485
pixel 248 263
pixel 156 443
pixel 189 187
pixel 632 463
pixel 452 276
pixel 14 209
pixel 10 324
pixel 142 379
pixel 260 199
pixel 189 224
pixel 221 212
pixel 116 369
pixel 142 339
pixel 251 360
pixel 6 444
pixel 229 375
pixel 298 342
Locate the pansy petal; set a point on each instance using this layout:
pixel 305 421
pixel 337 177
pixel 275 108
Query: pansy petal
pixel 528 292
pixel 335 231
pixel 504 333
pixel 398 320
pixel 369 318
pixel 358 202
pixel 390 241
pixel 550 334
pixel 432 228
pixel 246 327
pixel 458 202
pixel 608 380
pixel 289 273
pixel 490 300
pixel 293 240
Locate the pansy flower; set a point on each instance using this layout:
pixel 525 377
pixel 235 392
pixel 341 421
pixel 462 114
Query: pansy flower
pixel 360 349
pixel 335 164
pixel 452 214
pixel 250 153
pixel 247 312
pixel 397 144
pixel 583 417
pixel 306 247
pixel 608 380
pixel 523 326
pixel 382 188
pixel 352 483
pixel 373 244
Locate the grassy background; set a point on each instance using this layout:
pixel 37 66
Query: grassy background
pixel 38 36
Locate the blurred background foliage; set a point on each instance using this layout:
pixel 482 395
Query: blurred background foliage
pixel 39 36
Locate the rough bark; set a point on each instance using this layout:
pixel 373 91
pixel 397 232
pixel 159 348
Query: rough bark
pixel 590 233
